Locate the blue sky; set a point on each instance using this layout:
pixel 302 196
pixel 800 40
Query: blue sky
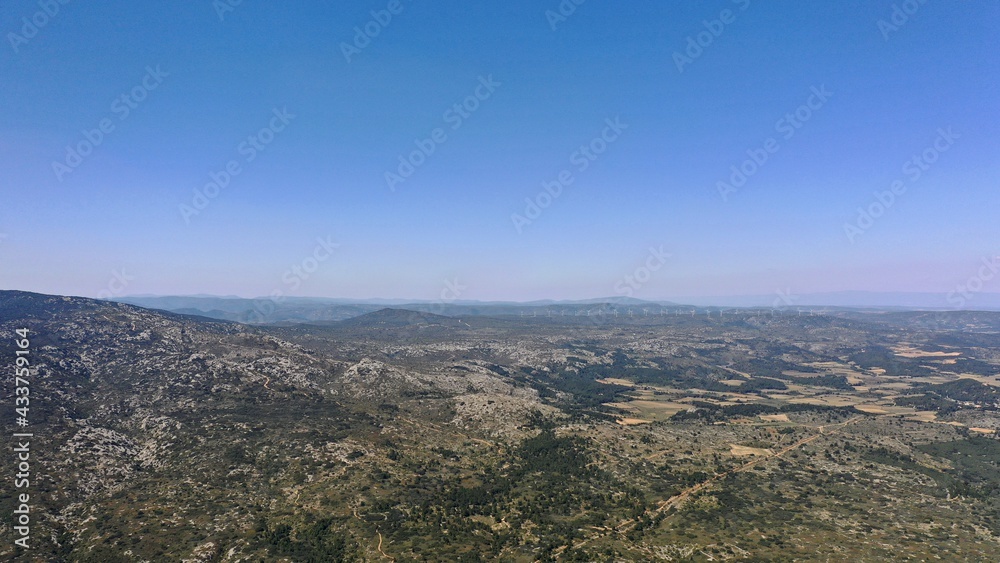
pixel 198 86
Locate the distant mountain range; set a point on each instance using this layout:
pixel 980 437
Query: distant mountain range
pixel 858 300
pixel 321 309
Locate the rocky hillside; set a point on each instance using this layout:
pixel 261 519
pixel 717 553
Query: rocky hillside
pixel 168 437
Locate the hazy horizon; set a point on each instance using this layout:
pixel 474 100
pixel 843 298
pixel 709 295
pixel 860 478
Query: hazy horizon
pixel 986 301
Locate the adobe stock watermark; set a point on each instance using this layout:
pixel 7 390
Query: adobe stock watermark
pixel 563 11
pixel 632 282
pixel 785 298
pixel 581 159
pixel 913 169
pixel 454 117
pixel 786 127
pixel 965 292
pixel 249 149
pixel 33 24
pixel 122 108
pixel 292 279
pixel 714 28
pixel 117 285
pixel 900 16
pixel 365 34
pixel 223 7
pixel 451 292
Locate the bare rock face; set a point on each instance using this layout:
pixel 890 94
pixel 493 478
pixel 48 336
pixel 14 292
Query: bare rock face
pixel 94 462
pixel 497 415
pixel 375 380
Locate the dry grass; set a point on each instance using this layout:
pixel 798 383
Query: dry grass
pixel 616 381
pixel 827 401
pixel 747 450
pixel 911 352
pixel 775 417
pixel 632 421
pixel 871 409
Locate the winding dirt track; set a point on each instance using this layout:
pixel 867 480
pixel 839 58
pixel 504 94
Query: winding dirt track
pixel 389 557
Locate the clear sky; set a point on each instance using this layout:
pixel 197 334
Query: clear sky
pixel 310 117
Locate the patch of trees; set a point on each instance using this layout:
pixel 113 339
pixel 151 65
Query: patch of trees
pixel 929 402
pixel 966 390
pixel 827 380
pixel 967 340
pixel 548 453
pixel 975 462
pixel 710 412
pixel 316 542
pixel 678 377
pixel 971 365
pixel 771 367
pixel 945 397
pixel 874 356
pixel 758 384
